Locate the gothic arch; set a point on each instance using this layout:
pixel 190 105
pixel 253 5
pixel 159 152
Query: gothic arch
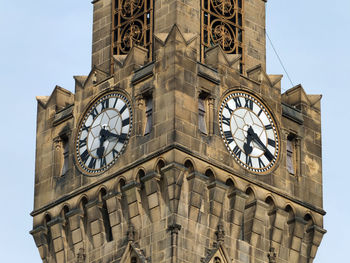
pixel 251 194
pixel 189 165
pixel 210 174
pixel 120 183
pixel 160 163
pixel 271 202
pixel 291 211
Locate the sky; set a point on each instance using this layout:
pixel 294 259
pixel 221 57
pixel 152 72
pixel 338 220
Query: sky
pixel 44 43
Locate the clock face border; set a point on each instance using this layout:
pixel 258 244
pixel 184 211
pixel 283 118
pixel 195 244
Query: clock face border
pixel 82 120
pixel 259 104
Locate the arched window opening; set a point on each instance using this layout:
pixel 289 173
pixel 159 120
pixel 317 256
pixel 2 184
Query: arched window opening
pixel 83 204
pixel 121 184
pixel 159 166
pixel 105 215
pixel 209 173
pixel 47 219
pixel 66 227
pixel 189 166
pixel 140 174
pixel 248 216
pixel 270 203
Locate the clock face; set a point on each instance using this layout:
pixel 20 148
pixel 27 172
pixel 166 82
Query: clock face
pixel 103 133
pixel 249 132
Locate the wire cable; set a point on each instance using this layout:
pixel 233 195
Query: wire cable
pixel 280 60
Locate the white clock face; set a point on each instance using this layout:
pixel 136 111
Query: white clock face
pixel 103 133
pixel 249 132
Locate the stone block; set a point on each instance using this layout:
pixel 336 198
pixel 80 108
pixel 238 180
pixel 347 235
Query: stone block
pixel 76 236
pixel 153 200
pixel 133 209
pixel 58 244
pixel 96 226
pixel 114 218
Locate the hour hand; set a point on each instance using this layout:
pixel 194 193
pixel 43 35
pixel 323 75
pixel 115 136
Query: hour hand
pixel 111 134
pixel 257 140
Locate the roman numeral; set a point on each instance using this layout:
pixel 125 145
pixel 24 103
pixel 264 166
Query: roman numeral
pixel 94 113
pixel 228 136
pixel 92 163
pixel 122 137
pixel 228 108
pixel 103 162
pixel 271 142
pixel 268 127
pixel 249 161
pixel 260 112
pixel 237 151
pixel 238 102
pixel 82 143
pixel 268 156
pixel 105 104
pixel 115 103
pixel 85 128
pixel 123 109
pixel 261 163
pixel 248 104
pixel 226 120
pixel 85 156
pixel 126 122
pixel 115 153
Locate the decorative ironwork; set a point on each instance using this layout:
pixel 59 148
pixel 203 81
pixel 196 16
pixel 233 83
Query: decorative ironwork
pixel 222 23
pixel 132 25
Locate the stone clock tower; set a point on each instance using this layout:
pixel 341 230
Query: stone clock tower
pixel 178 147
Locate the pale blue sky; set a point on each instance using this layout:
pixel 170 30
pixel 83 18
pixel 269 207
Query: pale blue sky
pixel 45 43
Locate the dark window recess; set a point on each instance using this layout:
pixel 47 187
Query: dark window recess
pixel 290 155
pixel 65 145
pixel 149 114
pixel 105 217
pixel 202 125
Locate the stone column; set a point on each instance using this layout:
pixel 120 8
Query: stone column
pixel 173 178
pixel 256 234
pixel 40 237
pixel 113 200
pixel 237 200
pixel 77 229
pixel 211 101
pixel 318 233
pixel 140 115
pixel 133 199
pixel 101 35
pixel 298 226
pixel 95 223
pixel 57 235
pixel 277 228
pixel 152 189
pixel 217 193
pixel 197 184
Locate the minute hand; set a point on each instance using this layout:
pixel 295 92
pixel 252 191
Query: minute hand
pixel 256 138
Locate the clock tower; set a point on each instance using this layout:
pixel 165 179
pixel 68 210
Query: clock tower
pixel 178 146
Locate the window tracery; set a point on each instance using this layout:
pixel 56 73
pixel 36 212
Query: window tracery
pixel 222 24
pixel 132 25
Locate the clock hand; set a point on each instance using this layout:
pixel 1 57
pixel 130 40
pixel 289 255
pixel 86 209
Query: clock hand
pixel 104 136
pixel 246 147
pixel 110 134
pixel 256 138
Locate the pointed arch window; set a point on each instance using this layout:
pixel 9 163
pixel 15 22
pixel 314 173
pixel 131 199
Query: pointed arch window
pixel 222 24
pixel 132 25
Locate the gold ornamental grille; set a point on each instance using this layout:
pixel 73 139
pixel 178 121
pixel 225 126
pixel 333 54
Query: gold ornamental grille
pixel 222 23
pixel 132 25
